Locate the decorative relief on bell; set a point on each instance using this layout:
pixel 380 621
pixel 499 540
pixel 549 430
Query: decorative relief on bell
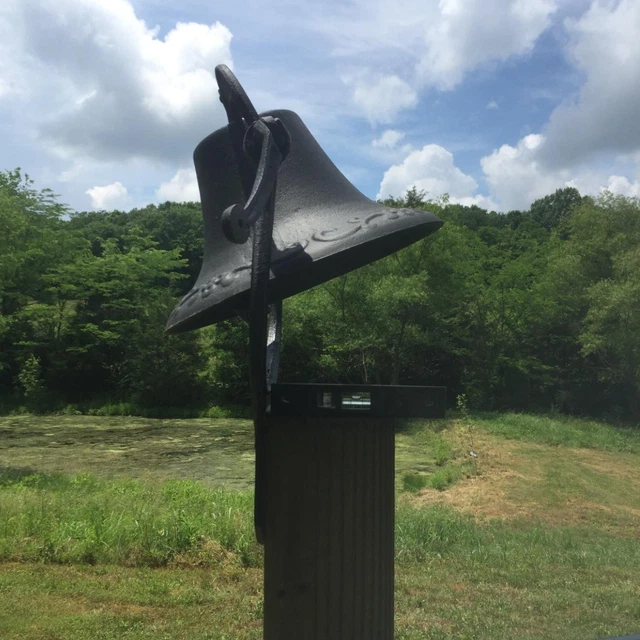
pixel 335 234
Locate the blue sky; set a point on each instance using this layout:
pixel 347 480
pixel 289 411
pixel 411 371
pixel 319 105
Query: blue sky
pixel 496 102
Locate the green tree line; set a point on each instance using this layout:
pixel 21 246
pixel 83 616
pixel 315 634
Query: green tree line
pixel 531 310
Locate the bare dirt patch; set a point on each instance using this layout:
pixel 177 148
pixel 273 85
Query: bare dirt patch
pixel 557 485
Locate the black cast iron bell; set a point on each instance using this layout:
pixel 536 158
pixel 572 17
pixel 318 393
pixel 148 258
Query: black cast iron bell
pixel 323 226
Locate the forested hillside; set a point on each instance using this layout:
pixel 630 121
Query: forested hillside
pixel 536 309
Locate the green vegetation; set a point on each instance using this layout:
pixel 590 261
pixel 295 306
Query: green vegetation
pixel 414 482
pixel 440 479
pixel 79 519
pixel 445 477
pixel 84 602
pixel 428 456
pixel 561 430
pixel 528 310
pixel 538 540
pixel 218 452
pixel 509 525
pixel 550 594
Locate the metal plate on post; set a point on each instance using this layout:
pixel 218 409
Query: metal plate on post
pixel 358 401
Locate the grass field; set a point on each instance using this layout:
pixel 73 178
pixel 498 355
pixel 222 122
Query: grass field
pixel 133 528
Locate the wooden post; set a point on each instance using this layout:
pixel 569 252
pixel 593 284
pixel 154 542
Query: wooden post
pixel 329 529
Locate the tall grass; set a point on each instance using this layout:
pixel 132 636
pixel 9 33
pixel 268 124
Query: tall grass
pixel 64 519
pixel 425 532
pixel 80 519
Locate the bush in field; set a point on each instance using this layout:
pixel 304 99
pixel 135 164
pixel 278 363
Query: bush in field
pixel 30 378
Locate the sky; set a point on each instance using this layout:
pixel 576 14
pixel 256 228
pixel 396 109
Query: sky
pixel 493 102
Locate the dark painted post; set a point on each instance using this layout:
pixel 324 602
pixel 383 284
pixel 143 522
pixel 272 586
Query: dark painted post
pixel 328 572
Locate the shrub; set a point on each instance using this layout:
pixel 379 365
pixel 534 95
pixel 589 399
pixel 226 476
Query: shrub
pixel 445 477
pixel 414 482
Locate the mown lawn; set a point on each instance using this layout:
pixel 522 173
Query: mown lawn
pixel 531 537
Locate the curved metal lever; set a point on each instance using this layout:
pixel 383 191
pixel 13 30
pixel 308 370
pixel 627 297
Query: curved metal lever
pixel 234 98
pixel 237 219
pixel 256 141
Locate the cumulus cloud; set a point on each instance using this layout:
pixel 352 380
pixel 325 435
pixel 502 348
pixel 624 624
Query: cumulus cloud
pixel 387 147
pixel 514 175
pixel 431 169
pixel 110 196
pixel 517 176
pixel 605 47
pixel 468 34
pixel 599 125
pixel 623 186
pixel 183 187
pixel 492 105
pixel 381 97
pixel 113 88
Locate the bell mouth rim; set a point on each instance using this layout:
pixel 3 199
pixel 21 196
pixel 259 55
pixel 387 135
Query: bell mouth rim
pixel 305 271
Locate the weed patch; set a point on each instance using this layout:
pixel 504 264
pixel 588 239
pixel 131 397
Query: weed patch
pixel 445 477
pixel 414 482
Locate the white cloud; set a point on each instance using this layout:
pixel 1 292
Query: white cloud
pixel 111 196
pixel 183 187
pixel 517 177
pixel 468 34
pixel 432 43
pixel 589 133
pixel 605 47
pixel 112 87
pixel 381 98
pixel 387 149
pixel 429 169
pixel 514 174
pixel 388 139
pixel 623 186
pixel 479 200
pixel 92 82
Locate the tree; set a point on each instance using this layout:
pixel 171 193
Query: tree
pixel 552 210
pixel 34 240
pixel 118 304
pixel 585 276
pixel 606 239
pixel 611 329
